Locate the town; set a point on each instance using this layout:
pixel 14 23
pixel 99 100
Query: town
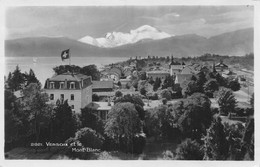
pixel 151 107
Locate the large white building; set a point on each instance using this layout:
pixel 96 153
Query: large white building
pixel 76 88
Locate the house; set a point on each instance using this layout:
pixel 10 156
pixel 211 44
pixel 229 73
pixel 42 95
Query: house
pixel 101 109
pixel 102 86
pixel 125 82
pixel 157 74
pixel 220 67
pixel 180 78
pixel 76 88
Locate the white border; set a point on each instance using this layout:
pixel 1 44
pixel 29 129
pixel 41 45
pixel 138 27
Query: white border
pixel 150 163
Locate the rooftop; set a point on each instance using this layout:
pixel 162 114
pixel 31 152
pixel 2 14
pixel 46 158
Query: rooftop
pixel 68 76
pixel 102 84
pixel 157 72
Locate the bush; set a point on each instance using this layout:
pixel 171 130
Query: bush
pixel 166 94
pixel 143 91
pixel 164 101
pixel 139 143
pixel 84 138
pixel 118 94
pixel 89 138
pixel 95 97
pixel 210 87
pixel 189 150
pixel 154 96
pixel 234 85
pixel 168 155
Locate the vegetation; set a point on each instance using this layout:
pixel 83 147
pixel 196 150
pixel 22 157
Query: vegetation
pixel 226 101
pixel 90 70
pixel 122 125
pixel 189 150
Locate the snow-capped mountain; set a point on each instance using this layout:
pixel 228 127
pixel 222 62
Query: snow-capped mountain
pixel 118 38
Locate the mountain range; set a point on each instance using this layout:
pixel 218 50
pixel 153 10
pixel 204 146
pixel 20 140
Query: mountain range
pixel 114 39
pixel 142 41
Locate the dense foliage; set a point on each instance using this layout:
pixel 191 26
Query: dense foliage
pixel 90 70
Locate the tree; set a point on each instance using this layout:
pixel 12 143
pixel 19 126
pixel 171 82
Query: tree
pixel 122 125
pixel 157 84
pixel 234 133
pixel 89 119
pixel 151 81
pixel 221 80
pixel 166 94
pixel 189 150
pixel 90 70
pixel 95 97
pixel 89 138
pixel 193 115
pixel 215 143
pixel 233 85
pixel 226 101
pixel 143 76
pixel 248 140
pixel 168 82
pixel 84 138
pixel 118 94
pixel 136 100
pixel 31 78
pixel 17 80
pixel 64 122
pixel 66 68
pixel 201 79
pixel 143 91
pixel 210 87
pixel 34 101
pixel 189 88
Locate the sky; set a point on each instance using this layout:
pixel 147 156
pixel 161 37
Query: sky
pixel 77 22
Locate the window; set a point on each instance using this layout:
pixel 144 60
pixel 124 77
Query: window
pixel 72 85
pixel 51 96
pixel 51 85
pixel 72 97
pixel 62 96
pixel 72 107
pixel 61 85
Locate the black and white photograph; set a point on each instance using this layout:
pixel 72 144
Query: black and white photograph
pixel 160 82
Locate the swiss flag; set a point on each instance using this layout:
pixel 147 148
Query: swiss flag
pixel 65 54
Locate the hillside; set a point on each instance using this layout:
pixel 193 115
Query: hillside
pixel 232 43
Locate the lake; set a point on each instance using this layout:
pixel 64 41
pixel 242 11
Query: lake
pixel 42 66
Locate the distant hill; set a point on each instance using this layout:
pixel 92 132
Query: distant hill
pixel 232 43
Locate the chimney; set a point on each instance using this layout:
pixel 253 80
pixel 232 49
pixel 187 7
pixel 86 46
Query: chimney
pixel 47 82
pixel 81 83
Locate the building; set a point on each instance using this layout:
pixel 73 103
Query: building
pixel 157 74
pixel 229 74
pixel 191 69
pixel 176 67
pixel 125 83
pixel 220 67
pixel 76 88
pixel 180 78
pixel 102 86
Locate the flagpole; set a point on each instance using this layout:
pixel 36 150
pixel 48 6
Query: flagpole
pixel 69 54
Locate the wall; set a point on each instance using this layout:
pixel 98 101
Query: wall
pixel 67 95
